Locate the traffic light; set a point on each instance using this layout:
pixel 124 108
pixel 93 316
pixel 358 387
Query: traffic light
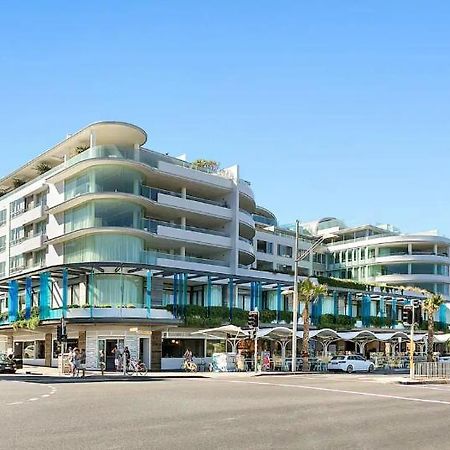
pixel 253 319
pixel 407 316
pixel 59 333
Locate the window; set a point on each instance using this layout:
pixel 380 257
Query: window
pixel 17 207
pixel 40 349
pixel 264 247
pixel 2 217
pixel 17 235
pixel 2 243
pixel 284 250
pixel 41 199
pixel 16 263
pixel 41 227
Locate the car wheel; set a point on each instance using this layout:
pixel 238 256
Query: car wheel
pixel 349 368
pixel 371 368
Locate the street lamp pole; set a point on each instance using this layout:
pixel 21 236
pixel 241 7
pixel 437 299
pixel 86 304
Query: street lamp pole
pixel 295 301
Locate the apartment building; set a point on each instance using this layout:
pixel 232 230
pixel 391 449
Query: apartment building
pixel 117 239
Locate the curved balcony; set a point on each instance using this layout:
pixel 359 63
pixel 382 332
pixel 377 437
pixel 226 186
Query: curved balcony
pixel 407 258
pixel 153 230
pixel 150 163
pixel 246 224
pixel 246 196
pixel 246 251
pixel 410 278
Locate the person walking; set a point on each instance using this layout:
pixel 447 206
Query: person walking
pixel 70 359
pixel 117 357
pixel 83 362
pixel 76 362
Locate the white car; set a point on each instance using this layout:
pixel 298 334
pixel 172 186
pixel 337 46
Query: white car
pixel 350 363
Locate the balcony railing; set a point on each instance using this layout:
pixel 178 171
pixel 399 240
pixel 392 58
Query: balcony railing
pixel 152 225
pixel 149 257
pixel 25 238
pixel 152 193
pixel 243 239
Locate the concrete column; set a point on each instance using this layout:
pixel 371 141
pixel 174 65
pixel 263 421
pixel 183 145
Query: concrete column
pixel 156 351
pixel 183 192
pixel 48 349
pixel 435 249
pixel 409 249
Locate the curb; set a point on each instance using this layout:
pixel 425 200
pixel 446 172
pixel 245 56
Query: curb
pixel 421 382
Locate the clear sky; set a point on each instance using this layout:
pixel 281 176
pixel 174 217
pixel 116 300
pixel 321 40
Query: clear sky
pixel 331 108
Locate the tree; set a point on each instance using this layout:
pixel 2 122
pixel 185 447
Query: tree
pixel 431 305
pixel 308 292
pixel 206 165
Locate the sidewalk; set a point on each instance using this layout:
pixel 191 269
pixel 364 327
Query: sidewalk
pixel 53 372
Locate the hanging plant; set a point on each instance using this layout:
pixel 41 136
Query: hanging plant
pixel 42 167
pixel 17 182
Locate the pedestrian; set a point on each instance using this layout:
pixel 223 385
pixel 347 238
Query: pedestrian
pixel 117 358
pixel 187 355
pixel 126 352
pixel 76 362
pixel 83 362
pixel 70 359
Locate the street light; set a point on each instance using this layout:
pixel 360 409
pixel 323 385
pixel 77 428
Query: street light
pixel 297 259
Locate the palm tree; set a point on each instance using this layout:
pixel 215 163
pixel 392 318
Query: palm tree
pixel 431 305
pixel 308 292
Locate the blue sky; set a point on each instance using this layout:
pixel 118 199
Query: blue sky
pixel 337 108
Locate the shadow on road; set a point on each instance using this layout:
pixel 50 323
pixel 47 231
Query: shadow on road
pixel 44 379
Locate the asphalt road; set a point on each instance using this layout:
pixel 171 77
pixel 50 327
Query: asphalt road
pixel 301 412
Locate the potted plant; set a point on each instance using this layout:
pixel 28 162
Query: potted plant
pixel 42 167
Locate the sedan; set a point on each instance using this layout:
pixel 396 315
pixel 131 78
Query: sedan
pixel 7 364
pixel 350 363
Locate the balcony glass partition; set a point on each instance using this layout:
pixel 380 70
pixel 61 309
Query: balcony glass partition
pixel 118 290
pixel 104 247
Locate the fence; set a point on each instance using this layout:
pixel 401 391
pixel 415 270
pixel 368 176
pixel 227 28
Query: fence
pixel 432 370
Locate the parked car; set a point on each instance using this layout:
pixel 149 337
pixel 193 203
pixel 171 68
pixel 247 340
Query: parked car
pixel 7 364
pixel 350 363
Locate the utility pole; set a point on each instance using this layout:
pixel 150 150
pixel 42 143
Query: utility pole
pixel 295 301
pixel 411 341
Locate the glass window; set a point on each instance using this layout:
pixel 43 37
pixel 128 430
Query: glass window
pixel 418 268
pixel 2 217
pixel 117 290
pixel 2 243
pixel 17 234
pixel 110 247
pixel 40 349
pixel 175 348
pixel 28 350
pixel 285 250
pixel 17 207
pixel 41 227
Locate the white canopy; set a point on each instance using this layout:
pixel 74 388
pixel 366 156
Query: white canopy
pixel 230 333
pixel 275 333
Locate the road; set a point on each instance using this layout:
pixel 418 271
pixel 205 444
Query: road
pixel 329 411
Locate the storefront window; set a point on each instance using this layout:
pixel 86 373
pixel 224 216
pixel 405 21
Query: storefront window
pixel 71 343
pixel 175 348
pixel 28 350
pixel 40 349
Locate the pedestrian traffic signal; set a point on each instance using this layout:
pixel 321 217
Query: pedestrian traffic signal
pixel 407 315
pixel 253 319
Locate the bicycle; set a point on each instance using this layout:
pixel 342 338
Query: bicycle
pixel 189 366
pixel 136 367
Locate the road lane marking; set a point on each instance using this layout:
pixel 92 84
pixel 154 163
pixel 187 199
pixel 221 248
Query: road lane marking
pixel 14 403
pixel 340 391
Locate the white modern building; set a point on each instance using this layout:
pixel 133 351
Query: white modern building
pixel 118 240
